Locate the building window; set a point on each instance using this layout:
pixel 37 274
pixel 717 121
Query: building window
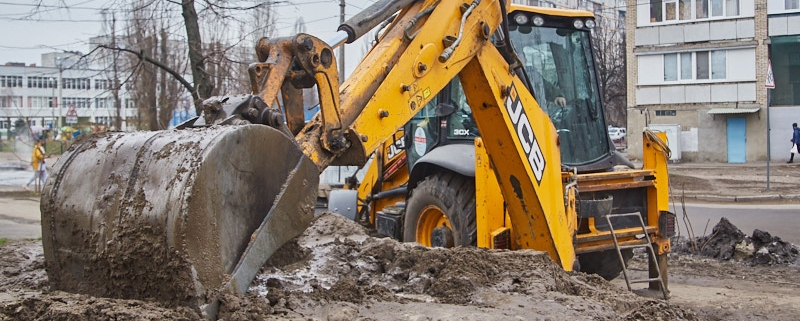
pixel 41 102
pixel 77 102
pixel 701 7
pixel 10 81
pixel 665 113
pixel 695 65
pixel 76 83
pixel 104 120
pixel 786 70
pixel 104 102
pixel 10 101
pixel 792 4
pixel 671 67
pixel 103 84
pixel 42 82
pixel 674 10
pixel 656 10
pixel 686 65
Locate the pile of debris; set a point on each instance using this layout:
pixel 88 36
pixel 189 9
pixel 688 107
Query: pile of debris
pixel 727 242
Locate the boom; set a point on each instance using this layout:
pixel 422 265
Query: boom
pixel 402 73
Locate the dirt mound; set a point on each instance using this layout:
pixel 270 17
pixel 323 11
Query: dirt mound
pixel 771 250
pixel 335 271
pixel 727 242
pixel 334 266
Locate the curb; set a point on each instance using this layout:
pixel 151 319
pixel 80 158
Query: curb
pixel 737 199
pixel 756 198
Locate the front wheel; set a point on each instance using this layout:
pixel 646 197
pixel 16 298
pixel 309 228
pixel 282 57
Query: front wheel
pixel 441 212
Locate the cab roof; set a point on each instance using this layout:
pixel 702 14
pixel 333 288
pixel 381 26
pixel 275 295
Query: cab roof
pixel 568 13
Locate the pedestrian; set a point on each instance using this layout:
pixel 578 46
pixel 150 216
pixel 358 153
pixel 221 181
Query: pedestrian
pixel 795 141
pixel 38 163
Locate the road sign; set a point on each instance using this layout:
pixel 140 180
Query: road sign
pixel 770 76
pixel 72 115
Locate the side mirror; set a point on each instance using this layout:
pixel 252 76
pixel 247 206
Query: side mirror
pixel 444 109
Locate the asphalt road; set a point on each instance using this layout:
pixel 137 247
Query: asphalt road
pixel 20 217
pixel 779 220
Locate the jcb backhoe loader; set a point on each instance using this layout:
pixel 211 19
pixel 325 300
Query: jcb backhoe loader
pixel 184 215
pixel 431 182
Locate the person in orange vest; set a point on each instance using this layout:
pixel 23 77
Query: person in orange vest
pixel 37 161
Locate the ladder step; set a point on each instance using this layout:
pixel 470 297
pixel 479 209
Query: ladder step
pixel 645 280
pixel 634 246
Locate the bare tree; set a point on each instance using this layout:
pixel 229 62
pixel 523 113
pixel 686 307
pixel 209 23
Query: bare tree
pixel 299 25
pixel 218 66
pixel 609 42
pixel 157 84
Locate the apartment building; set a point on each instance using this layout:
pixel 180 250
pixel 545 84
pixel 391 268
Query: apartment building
pixel 697 69
pixel 783 27
pixel 31 93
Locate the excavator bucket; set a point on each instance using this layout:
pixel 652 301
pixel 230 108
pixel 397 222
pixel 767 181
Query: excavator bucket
pixel 174 216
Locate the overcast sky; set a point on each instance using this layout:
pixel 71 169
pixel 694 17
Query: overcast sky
pixel 24 36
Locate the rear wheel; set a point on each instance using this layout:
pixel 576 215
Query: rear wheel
pixel 441 212
pixel 605 263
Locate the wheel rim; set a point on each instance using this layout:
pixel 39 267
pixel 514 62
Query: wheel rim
pixel 430 218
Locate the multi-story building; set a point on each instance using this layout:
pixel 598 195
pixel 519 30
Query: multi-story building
pixel 697 69
pixel 783 22
pixel 62 86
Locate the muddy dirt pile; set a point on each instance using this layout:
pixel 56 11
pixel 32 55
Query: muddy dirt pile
pixel 727 242
pixel 335 271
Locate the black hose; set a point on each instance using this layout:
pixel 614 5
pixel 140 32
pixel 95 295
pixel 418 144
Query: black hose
pixel 371 17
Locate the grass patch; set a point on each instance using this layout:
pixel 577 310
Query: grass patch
pixel 52 147
pixel 4 241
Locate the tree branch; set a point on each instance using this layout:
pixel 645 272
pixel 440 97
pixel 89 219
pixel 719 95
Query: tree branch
pixel 158 64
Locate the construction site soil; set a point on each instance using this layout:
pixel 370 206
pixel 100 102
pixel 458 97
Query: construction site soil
pixel 337 271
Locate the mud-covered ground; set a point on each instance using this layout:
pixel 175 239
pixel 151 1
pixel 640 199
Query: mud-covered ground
pixel 335 271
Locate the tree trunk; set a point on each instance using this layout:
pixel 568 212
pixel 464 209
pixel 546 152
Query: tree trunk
pixel 202 82
pixel 115 74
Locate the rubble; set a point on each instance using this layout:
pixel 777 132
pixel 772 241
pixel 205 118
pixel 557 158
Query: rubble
pixel 727 242
pixel 722 241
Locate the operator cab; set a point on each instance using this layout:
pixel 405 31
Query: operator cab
pixel 556 55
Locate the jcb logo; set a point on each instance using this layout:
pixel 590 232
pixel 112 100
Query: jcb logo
pixel 395 148
pixel 524 132
pixel 461 132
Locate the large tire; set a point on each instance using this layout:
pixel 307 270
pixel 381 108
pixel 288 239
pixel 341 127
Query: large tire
pixel 441 211
pixel 605 263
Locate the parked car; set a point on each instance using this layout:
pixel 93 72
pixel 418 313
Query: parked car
pixel 616 133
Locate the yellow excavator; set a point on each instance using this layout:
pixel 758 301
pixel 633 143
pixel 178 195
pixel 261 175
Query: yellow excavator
pixel 432 181
pixel 185 215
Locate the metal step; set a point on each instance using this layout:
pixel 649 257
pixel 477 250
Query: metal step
pixel 634 246
pixel 646 243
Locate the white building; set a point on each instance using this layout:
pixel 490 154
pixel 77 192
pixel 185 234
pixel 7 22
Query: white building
pixel 698 68
pixel 31 93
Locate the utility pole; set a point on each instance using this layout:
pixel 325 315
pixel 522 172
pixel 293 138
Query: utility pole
pixel 60 64
pixel 341 48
